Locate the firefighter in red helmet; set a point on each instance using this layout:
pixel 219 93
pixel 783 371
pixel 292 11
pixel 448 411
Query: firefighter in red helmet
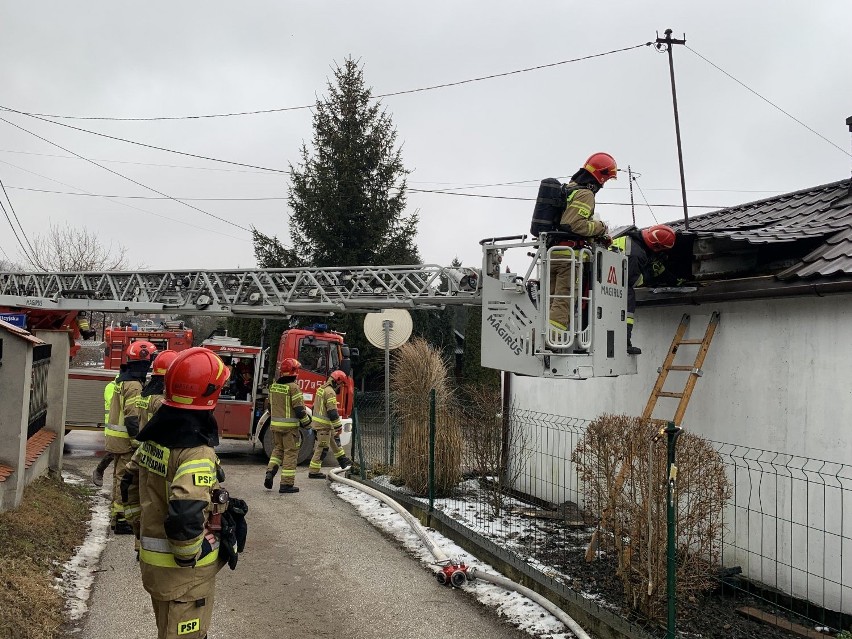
pixel 643 248
pixel 579 219
pixel 287 413
pixel 325 420
pixel 120 433
pixel 188 524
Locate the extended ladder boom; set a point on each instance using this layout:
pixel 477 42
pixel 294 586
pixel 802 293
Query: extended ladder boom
pixel 249 292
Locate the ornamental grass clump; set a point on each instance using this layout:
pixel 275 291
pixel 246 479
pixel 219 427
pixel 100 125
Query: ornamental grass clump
pixel 419 368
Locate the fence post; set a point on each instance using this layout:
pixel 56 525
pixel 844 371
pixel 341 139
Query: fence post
pixel 672 433
pixel 356 430
pixel 431 450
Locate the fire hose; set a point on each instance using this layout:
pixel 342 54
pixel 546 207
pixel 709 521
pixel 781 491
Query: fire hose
pixel 455 574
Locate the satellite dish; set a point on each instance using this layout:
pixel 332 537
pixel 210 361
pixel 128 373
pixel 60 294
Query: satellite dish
pixel 399 332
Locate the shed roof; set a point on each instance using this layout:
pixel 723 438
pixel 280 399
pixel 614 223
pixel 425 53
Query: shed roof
pixel 821 212
pixel 19 332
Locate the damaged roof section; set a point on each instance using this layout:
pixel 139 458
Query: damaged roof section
pixel 803 234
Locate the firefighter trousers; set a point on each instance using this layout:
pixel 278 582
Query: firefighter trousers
pixel 285 453
pixel 186 618
pixel 324 441
pixel 121 461
pixel 560 284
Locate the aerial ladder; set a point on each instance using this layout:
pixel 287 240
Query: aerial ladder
pixel 517 335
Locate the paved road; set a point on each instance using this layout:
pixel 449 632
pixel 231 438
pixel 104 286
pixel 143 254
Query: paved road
pixel 312 568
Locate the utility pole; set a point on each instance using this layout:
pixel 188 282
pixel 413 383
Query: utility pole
pixel 632 205
pixel 665 44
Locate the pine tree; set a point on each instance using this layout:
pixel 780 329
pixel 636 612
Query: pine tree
pixel 347 199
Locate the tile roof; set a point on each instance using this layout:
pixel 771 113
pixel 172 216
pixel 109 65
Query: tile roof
pixel 819 212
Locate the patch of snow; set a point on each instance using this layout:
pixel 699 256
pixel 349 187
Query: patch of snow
pixel 78 573
pixel 520 611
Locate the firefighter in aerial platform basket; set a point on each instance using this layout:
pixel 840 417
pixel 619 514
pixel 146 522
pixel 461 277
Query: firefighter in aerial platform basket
pixel 578 219
pixel 123 426
pixel 644 264
pixel 287 412
pixel 189 526
pixel 325 420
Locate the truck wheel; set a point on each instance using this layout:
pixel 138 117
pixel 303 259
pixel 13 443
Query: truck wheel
pixel 268 443
pixel 307 449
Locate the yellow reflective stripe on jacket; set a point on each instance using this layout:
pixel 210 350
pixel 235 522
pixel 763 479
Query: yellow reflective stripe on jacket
pixel 112 430
pixel 620 243
pixel 194 466
pixel 167 559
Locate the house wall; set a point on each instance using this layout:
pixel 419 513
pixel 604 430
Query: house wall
pixel 777 390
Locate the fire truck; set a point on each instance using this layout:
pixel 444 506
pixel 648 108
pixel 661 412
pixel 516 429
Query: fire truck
pixel 517 334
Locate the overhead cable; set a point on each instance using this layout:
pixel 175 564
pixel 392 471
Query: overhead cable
pixel 130 206
pixel 285 198
pixel 309 106
pixel 20 226
pixel 144 186
pixel 142 144
pixel 770 102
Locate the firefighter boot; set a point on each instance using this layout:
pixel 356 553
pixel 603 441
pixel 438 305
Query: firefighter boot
pixel 316 475
pixel 284 488
pixel 270 476
pixel 122 527
pixel 632 350
pixel 344 462
pixel 98 477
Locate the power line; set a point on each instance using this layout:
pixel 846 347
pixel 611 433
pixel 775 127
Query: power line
pixel 144 186
pixel 450 185
pixel 20 226
pixel 770 102
pixel 130 206
pixel 142 144
pixel 284 198
pixel 15 232
pixel 309 106
pixel 168 166
pixel 529 199
pixel 636 182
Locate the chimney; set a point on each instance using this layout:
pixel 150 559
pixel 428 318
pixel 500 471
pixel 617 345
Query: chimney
pixel 845 200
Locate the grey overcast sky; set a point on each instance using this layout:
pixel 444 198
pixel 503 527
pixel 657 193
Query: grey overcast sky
pixel 123 59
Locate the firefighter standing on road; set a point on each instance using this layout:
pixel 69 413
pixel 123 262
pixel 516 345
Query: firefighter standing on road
pixel 151 398
pixel 287 412
pixel 579 219
pixel 174 480
pixel 642 266
pixel 325 419
pixel 123 424
pixel 106 460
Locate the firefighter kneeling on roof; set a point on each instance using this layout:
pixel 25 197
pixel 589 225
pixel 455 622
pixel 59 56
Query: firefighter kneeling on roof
pixel 644 265
pixel 325 419
pixel 188 525
pixel 286 413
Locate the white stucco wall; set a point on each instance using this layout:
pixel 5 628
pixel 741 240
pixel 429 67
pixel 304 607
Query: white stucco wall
pixel 777 387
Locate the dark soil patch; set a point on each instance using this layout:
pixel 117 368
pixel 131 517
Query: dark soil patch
pixel 711 615
pixel 37 539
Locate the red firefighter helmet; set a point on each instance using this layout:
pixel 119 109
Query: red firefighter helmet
pixel 338 378
pixel 659 237
pixel 195 379
pixel 602 166
pixel 289 367
pixel 140 351
pixel 162 362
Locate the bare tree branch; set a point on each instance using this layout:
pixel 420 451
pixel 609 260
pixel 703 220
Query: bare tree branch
pixel 75 248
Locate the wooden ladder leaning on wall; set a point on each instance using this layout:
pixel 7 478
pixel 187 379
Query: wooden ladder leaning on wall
pixel 684 396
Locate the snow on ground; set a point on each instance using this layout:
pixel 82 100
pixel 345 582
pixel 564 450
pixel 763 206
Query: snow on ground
pixel 506 530
pixel 78 573
pixel 520 611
